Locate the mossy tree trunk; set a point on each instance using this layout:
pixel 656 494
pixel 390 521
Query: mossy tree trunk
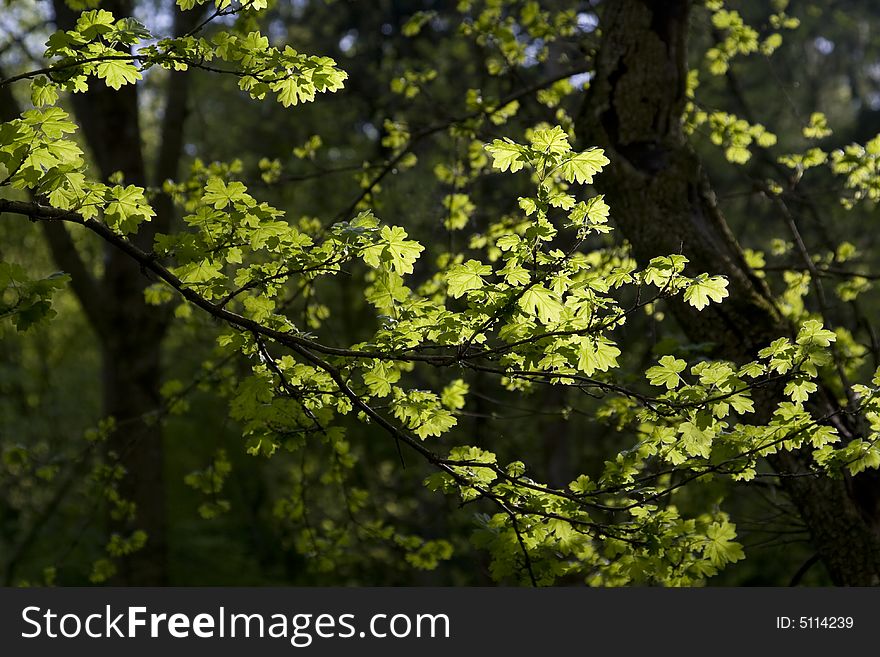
pixel 663 203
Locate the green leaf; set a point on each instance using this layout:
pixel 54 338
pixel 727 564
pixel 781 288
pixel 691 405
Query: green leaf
pixel 43 91
pixel 393 248
pixel 741 403
pixel 662 269
pixel 53 121
pixel 221 195
pixel 596 354
pixel 667 373
pixel 95 23
pixel 127 208
pixel 387 291
pixel 720 548
pixel 823 435
pixel 508 242
pixel 469 276
pixel 507 156
pixel 813 333
pixel 381 378
pixel 515 275
pixel 117 73
pixel 800 391
pixel 695 441
pixel 422 412
pixel 705 288
pixel 553 140
pixel 818 127
pixel 27 302
pixel 590 214
pixel 258 308
pixel 202 271
pixel 453 396
pixel 752 370
pixel 583 166
pixel 528 206
pixel 460 210
pixel 540 302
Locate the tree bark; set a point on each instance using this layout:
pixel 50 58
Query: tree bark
pixel 663 203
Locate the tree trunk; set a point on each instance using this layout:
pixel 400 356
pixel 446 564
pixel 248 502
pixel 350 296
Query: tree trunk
pixel 662 202
pixel 130 330
pixel 131 379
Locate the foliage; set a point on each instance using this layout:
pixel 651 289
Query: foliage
pixel 535 297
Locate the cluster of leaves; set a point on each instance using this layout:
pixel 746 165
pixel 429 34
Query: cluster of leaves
pixel 24 300
pixel 737 38
pixel 537 310
pixel 511 32
pixel 740 140
pixel 39 157
pixel 734 134
pixel 528 303
pixel 100 46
